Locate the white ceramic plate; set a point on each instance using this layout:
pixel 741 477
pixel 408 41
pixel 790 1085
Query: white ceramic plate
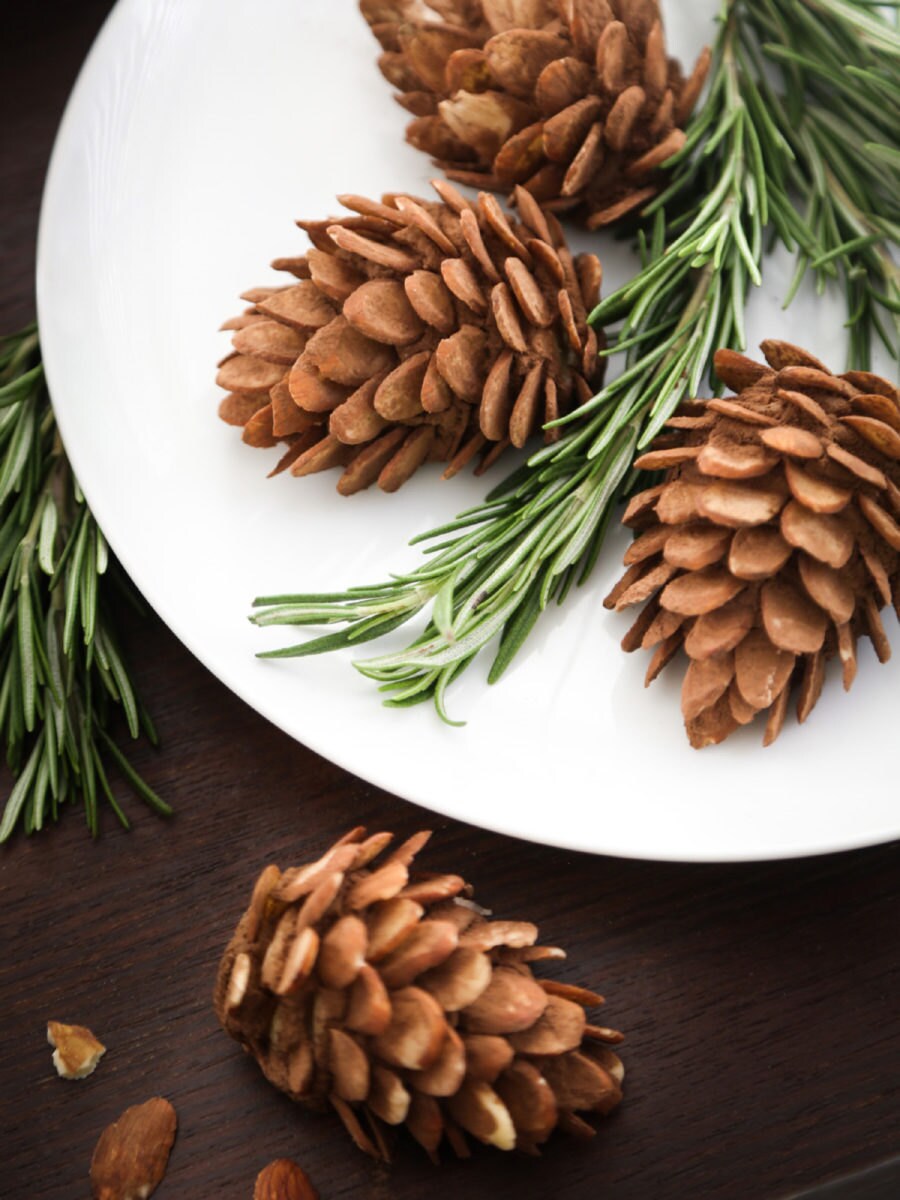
pixel 198 131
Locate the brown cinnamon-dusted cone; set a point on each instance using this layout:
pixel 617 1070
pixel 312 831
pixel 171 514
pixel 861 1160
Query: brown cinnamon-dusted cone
pixel 574 99
pixel 392 996
pixel 774 542
pixel 415 331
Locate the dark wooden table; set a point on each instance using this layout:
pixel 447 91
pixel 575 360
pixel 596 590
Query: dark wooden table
pixel 760 1002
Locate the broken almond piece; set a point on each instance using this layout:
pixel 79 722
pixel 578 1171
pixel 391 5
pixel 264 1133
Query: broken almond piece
pixel 76 1052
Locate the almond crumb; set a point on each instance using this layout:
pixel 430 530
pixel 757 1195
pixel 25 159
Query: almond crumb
pixel 76 1052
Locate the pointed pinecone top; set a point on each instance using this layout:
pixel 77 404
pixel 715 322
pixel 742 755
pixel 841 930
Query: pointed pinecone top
pixel 415 331
pixel 574 99
pixel 392 996
pixel 773 543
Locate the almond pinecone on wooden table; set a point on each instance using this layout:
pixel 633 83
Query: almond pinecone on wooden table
pixel 414 331
pixel 574 99
pixel 774 542
pixel 392 996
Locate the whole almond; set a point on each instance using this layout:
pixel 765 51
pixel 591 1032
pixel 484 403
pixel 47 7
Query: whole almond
pixel 132 1154
pixel 283 1180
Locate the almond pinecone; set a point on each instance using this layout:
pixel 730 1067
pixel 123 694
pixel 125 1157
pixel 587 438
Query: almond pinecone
pixel 394 998
pixel 415 331
pixel 574 99
pixel 773 543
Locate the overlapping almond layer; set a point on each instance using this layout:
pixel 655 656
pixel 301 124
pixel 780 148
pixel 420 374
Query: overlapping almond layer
pixel 574 99
pixel 414 331
pixel 774 542
pixel 394 997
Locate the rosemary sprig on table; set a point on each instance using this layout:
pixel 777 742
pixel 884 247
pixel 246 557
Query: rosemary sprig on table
pixel 62 676
pixel 751 151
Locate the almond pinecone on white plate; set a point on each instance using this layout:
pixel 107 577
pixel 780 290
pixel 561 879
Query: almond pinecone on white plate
pixel 576 100
pixel 415 331
pixel 773 543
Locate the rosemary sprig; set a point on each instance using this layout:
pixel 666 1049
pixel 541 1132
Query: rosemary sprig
pixel 62 676
pixel 752 150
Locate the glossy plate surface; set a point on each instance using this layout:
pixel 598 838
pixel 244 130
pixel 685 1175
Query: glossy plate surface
pixel 198 131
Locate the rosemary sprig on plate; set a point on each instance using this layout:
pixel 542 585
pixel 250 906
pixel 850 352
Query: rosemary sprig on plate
pixel 751 152
pixel 62 676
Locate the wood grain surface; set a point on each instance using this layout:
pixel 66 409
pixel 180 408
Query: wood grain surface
pixel 760 1002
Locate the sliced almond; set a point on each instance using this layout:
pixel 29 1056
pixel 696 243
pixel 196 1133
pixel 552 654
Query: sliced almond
pixel 431 300
pixel 487 1056
pixel 399 395
pixel 742 712
pixel 445 1075
pixel 414 1037
pixel 712 726
pixel 579 1083
pixel 818 495
pixel 790 440
pixel 429 944
pixel 761 669
pixel 481 1112
pixel 882 522
pixel 856 466
pixel 270 340
pixel 368 1005
pixel 382 884
pixel 696 546
pixel 237 408
pixel 738 371
pixel 727 458
pixel 740 412
pixel 830 589
pixel 342 953
pixel 380 309
pixel 757 553
pixel 511 1002
pixel 699 592
pixel 302 306
pixel 334 277
pixel 875 629
pixel 250 376
pixel 828 538
pixel 792 621
pixel 569 991
pixel 719 631
pixel 678 503
pixel 431 888
pixel 847 654
pixel 459 980
pixel 736 505
pixel 389 923
pixel 558 1029
pixel 299 962
pixel 313 393
pixel 460 360
pixel 349 1066
pixel 705 681
pixel 880 407
pixel 529 1100
pixel 388 1098
pixel 811 685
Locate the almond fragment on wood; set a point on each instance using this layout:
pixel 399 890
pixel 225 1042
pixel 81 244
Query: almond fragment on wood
pixel 131 1157
pixel 283 1179
pixel 76 1050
